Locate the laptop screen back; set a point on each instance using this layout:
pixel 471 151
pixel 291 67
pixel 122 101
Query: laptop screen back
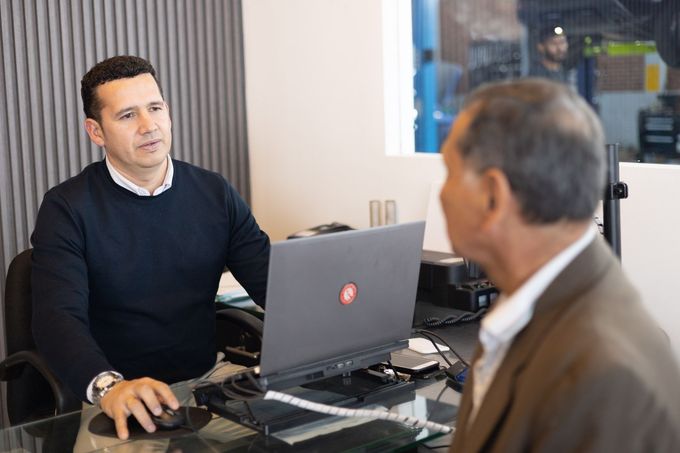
pixel 341 293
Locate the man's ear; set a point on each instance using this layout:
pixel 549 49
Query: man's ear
pixel 541 48
pixel 498 196
pixel 94 130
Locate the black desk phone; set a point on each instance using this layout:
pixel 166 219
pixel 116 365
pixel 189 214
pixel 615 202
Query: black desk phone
pixel 321 229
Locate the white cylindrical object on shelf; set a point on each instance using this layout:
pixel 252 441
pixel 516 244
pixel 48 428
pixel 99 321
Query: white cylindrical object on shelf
pixel 375 207
pixel 390 212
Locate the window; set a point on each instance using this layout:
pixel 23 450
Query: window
pixel 623 56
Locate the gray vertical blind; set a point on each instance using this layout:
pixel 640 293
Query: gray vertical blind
pixel 47 46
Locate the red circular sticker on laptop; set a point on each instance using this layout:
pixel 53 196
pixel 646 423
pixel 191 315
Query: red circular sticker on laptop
pixel 348 293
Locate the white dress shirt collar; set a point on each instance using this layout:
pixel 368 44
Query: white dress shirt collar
pixel 122 181
pixel 512 313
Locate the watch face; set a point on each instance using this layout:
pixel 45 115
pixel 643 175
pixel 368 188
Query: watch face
pixel 105 381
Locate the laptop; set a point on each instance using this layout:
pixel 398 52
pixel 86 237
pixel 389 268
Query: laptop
pixel 338 302
pixel 335 303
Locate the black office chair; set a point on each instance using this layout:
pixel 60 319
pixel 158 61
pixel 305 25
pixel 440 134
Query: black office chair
pixel 33 391
pixel 239 335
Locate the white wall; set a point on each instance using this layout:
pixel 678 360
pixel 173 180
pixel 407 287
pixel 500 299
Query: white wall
pixel 650 240
pixel 317 128
pixel 316 116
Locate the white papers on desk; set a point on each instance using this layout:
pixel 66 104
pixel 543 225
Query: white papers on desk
pixel 232 293
pixel 229 290
pixel 424 346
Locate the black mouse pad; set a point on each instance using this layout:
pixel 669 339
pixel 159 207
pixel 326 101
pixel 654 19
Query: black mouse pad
pixel 102 425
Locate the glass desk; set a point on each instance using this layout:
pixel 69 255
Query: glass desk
pixel 432 399
pixel 58 434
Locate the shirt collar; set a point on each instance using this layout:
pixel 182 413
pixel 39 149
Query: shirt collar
pixel 513 312
pixel 122 181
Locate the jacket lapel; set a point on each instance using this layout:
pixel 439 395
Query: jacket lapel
pixel 584 271
pixel 465 404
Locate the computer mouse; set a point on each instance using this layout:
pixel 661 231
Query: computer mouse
pixel 169 418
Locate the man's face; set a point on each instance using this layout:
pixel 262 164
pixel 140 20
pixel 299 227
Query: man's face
pixel 555 48
pixel 461 194
pixel 135 126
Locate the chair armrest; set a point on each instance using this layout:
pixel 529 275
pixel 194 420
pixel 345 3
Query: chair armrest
pixel 239 336
pixel 12 366
pixel 248 322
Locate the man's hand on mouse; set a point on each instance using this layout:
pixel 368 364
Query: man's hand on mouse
pixel 133 398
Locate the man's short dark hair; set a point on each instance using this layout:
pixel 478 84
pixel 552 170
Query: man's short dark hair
pixel 114 68
pixel 547 141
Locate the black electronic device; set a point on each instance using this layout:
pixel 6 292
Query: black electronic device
pixel 659 129
pixel 614 192
pixel 410 364
pixel 456 375
pixel 168 418
pixel 473 295
pixel 439 268
pixel 193 418
pixel 448 280
pixel 342 293
pixel 352 390
pixel 326 228
pixel 438 272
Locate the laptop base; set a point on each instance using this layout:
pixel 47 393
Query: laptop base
pixel 360 388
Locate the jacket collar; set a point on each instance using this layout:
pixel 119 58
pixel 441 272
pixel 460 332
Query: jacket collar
pixel 582 273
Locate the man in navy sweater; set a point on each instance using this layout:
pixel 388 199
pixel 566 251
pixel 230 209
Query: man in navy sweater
pixel 128 254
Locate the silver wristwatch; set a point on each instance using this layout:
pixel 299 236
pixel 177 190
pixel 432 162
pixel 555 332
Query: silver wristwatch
pixel 103 383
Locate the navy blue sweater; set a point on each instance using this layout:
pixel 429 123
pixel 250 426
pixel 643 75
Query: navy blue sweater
pixel 128 283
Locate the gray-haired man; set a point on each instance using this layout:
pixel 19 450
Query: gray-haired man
pixel 568 359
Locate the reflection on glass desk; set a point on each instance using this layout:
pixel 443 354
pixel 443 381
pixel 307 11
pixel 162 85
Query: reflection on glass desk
pixel 58 434
pixel 432 400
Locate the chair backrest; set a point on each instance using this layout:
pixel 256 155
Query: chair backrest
pixel 18 304
pixel 29 396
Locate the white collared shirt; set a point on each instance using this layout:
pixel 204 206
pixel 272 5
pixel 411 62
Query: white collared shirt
pixel 122 181
pixel 511 314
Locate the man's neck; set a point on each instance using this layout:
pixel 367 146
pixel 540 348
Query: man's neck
pixel 530 248
pixel 552 65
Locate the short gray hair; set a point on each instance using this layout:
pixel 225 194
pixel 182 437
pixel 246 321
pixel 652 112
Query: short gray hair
pixel 546 140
